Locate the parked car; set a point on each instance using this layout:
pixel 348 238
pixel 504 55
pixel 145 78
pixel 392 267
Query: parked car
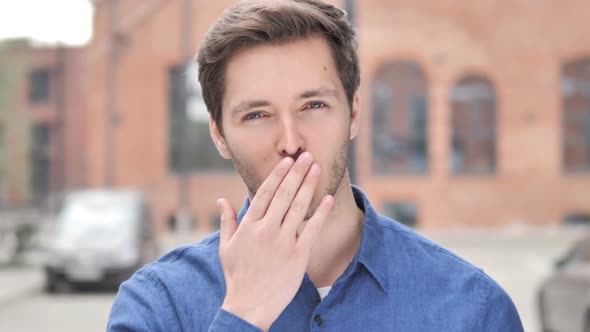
pixel 100 236
pixel 564 298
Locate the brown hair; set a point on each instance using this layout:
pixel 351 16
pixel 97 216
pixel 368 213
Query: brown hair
pixel 250 23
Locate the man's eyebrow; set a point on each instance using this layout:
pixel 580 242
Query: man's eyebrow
pixel 321 92
pixel 248 104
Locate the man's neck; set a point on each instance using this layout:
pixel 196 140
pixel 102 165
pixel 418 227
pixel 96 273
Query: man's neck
pixel 339 239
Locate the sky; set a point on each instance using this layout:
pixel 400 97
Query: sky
pixel 47 21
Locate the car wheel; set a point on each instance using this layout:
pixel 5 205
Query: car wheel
pixel 49 282
pixel 63 286
pixel 55 284
pixel 50 287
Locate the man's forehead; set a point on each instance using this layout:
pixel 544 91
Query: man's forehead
pixel 311 50
pixel 313 39
pixel 295 70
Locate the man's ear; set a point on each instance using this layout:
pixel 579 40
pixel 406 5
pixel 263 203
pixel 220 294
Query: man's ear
pixel 355 116
pixel 218 140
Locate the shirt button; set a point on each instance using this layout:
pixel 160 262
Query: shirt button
pixel 319 320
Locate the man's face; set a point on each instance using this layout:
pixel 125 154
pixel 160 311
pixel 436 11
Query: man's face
pixel 281 100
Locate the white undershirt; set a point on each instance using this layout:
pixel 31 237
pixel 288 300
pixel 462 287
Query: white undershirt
pixel 324 291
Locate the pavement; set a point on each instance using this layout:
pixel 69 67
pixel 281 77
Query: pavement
pixel 18 283
pixel 26 278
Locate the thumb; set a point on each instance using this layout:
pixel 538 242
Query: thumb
pixel 228 223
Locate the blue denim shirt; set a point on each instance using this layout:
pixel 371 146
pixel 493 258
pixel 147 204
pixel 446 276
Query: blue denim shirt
pixel 398 281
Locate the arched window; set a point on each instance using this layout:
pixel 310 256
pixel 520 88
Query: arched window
pixel 400 119
pixel 473 121
pixel 575 101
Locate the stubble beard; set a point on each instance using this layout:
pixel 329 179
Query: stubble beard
pixel 337 170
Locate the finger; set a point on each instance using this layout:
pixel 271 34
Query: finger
pixel 315 223
pixel 301 203
pixel 265 193
pixel 228 223
pixel 285 193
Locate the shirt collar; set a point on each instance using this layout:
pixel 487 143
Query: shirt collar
pixel 370 253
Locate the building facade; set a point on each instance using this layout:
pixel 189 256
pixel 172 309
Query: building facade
pixel 474 114
pixel 42 148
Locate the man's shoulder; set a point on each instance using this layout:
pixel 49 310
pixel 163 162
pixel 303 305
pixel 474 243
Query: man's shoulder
pixel 187 261
pixel 186 279
pixel 419 254
pixel 441 277
pixel 204 248
pixel 440 273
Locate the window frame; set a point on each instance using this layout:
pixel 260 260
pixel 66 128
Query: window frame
pixel 414 145
pixel 39 88
pixel 568 90
pixel 463 82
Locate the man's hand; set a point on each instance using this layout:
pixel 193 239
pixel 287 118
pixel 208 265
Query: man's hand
pixel 263 259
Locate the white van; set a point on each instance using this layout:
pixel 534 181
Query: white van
pixel 100 236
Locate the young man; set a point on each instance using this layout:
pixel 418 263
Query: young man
pixel 307 251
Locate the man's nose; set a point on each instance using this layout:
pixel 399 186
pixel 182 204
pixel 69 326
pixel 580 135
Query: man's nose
pixel 291 142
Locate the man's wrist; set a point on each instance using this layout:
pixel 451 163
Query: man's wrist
pixel 254 316
pixel 226 321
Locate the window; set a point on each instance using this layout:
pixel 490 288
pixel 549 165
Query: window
pixel 40 161
pixel 172 222
pixel 216 222
pixel 190 145
pixel 175 225
pixel 2 144
pixel 400 119
pixel 577 219
pixel 3 159
pixel 473 120
pixel 39 85
pixel 575 101
pixel 403 212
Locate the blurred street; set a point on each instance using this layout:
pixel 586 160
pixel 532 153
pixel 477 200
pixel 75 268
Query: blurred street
pixel 518 259
pixel 36 311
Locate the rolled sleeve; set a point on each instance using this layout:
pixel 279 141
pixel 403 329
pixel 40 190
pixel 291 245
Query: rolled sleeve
pixel 226 321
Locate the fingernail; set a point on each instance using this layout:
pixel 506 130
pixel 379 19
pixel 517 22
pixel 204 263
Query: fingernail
pixel 315 169
pixel 286 161
pixel 305 156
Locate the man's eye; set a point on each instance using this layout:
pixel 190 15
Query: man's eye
pixel 316 105
pixel 253 116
